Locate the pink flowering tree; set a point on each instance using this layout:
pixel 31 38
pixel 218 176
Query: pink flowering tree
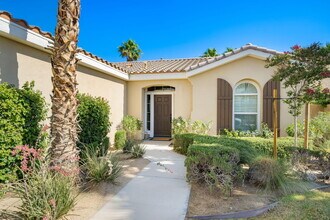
pixel 301 71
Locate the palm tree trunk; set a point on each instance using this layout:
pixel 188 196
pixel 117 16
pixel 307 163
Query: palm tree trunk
pixel 63 149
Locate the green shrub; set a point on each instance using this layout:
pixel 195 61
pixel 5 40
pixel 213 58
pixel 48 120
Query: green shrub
pixel 138 151
pixel 199 127
pixel 300 132
pixel 321 131
pixel 272 175
pixel 264 132
pixel 36 111
pixel 181 126
pixel 131 125
pixel 182 142
pixel 94 113
pixel 213 165
pixel 120 138
pixel 129 144
pixel 247 153
pixel 22 110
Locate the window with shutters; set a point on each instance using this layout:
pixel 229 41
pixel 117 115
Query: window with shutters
pixel 246 107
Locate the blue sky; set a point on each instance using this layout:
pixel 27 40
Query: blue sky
pixel 185 28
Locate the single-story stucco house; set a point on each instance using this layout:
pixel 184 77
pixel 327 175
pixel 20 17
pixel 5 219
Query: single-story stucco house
pixel 232 91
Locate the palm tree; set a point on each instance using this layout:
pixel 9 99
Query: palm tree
pixel 130 50
pixel 63 149
pixel 228 49
pixel 210 52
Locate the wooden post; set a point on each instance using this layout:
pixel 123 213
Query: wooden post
pixel 307 117
pixel 275 122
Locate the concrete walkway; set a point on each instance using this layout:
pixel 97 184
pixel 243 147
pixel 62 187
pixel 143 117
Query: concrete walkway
pixel 158 192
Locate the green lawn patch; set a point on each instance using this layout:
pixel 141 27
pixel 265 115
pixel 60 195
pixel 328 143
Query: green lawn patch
pixel 310 205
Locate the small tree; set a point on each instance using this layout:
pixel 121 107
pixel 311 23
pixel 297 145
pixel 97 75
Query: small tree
pixel 130 50
pixel 300 70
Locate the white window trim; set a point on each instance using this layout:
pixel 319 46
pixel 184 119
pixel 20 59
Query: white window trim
pixel 247 94
pixel 152 110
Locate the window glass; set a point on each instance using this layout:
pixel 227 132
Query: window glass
pixel 148 111
pixel 246 107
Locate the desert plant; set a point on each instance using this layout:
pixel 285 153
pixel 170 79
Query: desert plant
pixel 120 139
pixel 138 151
pixel 273 175
pixel 94 122
pixel 117 168
pixel 131 125
pixel 129 144
pixel 46 192
pixel 101 168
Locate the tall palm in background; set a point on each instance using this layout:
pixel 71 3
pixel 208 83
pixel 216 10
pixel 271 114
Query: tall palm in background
pixel 130 50
pixel 63 149
pixel 210 52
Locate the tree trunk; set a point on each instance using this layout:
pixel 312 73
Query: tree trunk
pixel 295 123
pixel 63 149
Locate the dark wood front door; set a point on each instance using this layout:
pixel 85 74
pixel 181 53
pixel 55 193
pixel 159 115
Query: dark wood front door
pixel 163 115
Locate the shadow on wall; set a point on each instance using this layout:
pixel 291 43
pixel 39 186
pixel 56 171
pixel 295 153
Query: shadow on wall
pixel 8 58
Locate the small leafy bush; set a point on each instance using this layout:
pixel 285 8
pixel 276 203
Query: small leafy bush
pixel 321 131
pixel 94 122
pixel 36 111
pixel 129 144
pixel 181 126
pixel 264 132
pixel 120 139
pixel 182 142
pixel 213 165
pixel 300 132
pixel 131 125
pixel 272 175
pixel 138 151
pixel 22 111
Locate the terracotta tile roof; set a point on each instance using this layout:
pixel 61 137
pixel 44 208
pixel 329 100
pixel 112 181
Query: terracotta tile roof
pixel 149 66
pixel 181 65
pixel 159 66
pixel 23 23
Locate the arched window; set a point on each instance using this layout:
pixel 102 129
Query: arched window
pixel 246 105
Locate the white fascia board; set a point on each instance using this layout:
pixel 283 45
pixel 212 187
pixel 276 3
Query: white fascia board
pixel 157 76
pixel 249 52
pixel 102 67
pixel 25 36
pixel 18 33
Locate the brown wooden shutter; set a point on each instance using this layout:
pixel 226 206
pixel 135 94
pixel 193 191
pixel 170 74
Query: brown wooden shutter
pixel 267 110
pixel 224 105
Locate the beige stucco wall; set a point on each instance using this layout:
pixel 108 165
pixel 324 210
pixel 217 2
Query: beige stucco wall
pixel 182 99
pixel 205 85
pixel 20 63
